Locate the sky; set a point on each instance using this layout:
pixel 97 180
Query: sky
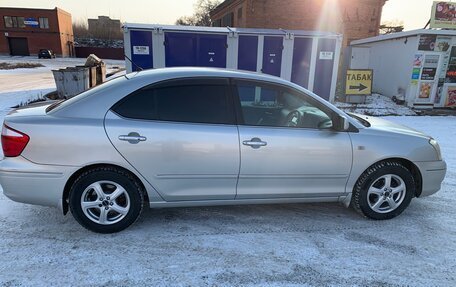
pixel 414 13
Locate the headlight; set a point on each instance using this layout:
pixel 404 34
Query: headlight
pixel 436 146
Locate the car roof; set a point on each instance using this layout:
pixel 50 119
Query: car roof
pixel 181 72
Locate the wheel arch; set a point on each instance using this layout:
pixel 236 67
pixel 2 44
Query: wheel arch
pixel 410 166
pixel 76 174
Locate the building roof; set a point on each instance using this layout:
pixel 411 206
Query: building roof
pixel 221 6
pixel 34 9
pixel 405 34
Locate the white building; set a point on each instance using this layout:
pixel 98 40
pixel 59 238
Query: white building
pixel 419 65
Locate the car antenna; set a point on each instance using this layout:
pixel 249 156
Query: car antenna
pixel 139 68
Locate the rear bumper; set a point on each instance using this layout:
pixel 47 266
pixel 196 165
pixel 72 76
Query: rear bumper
pixel 27 182
pixel 432 173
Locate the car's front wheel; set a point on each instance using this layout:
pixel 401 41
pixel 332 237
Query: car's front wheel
pixel 106 199
pixel 384 190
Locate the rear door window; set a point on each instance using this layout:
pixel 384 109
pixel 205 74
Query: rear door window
pixel 189 100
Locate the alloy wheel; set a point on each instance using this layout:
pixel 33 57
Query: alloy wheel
pixel 105 202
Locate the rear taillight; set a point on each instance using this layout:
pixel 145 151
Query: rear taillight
pixel 13 141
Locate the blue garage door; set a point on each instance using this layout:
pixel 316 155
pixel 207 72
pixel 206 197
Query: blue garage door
pixel 324 68
pixel 302 53
pixel 272 55
pixel 212 50
pixel 141 50
pixel 248 53
pixel 197 50
pixel 180 49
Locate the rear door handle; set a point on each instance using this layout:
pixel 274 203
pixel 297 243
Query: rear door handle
pixel 255 143
pixel 132 138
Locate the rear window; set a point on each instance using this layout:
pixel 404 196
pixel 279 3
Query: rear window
pixel 67 102
pixel 180 102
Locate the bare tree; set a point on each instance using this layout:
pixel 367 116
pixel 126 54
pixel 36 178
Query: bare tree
pixel 80 28
pixel 389 27
pixel 201 15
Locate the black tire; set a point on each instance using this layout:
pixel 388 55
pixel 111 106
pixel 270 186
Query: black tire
pixel 360 199
pixel 111 174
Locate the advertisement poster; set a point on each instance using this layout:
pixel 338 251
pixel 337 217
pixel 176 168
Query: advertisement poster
pixel 443 15
pixel 442 44
pixel 428 74
pixel 416 73
pixel 431 62
pixel 418 60
pixel 425 90
pixel 451 71
pixel 451 97
pixel 427 42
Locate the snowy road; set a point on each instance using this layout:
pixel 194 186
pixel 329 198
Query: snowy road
pixel 271 245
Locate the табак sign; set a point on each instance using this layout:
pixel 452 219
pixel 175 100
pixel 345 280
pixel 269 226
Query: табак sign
pixel 358 82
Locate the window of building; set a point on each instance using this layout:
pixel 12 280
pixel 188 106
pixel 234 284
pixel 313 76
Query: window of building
pixel 228 20
pixel 239 14
pixel 20 22
pixel 14 22
pixel 200 102
pixel 217 23
pixel 44 23
pixel 8 21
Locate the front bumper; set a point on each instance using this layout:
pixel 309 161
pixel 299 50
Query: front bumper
pixel 27 182
pixel 432 173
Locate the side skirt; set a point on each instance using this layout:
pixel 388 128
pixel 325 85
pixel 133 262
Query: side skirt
pixel 164 204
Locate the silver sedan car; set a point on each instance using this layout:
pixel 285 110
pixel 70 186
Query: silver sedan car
pixel 196 136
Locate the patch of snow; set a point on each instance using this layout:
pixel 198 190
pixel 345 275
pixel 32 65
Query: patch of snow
pixel 116 75
pixel 12 99
pixel 377 105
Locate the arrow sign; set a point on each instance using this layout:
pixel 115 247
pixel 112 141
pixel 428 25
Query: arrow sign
pixel 358 82
pixel 360 88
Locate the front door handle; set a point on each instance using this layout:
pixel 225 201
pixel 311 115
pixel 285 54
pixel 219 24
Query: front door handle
pixel 255 143
pixel 132 138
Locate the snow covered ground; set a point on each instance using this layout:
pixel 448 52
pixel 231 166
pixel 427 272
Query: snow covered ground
pixel 377 105
pixel 269 245
pixel 40 78
pixel 22 85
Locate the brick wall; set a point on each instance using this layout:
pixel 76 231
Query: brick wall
pixel 102 53
pixel 356 19
pixel 66 32
pixel 60 30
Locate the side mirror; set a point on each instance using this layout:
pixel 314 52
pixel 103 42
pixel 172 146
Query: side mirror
pixel 342 123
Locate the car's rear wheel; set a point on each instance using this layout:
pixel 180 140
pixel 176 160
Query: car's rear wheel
pixel 384 190
pixel 106 199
